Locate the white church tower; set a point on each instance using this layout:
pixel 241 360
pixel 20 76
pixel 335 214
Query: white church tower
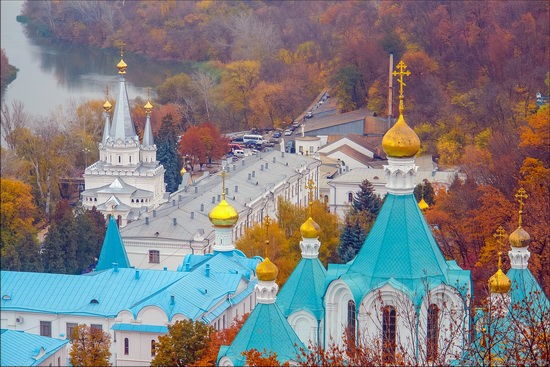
pixel 127 180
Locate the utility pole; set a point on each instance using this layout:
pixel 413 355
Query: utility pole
pixel 390 92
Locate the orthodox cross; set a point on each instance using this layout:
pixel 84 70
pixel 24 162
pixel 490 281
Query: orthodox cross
pixel 107 92
pixel 310 186
pixel 499 234
pixel 267 223
pixel 401 66
pixel 223 174
pixel 148 93
pixel 522 194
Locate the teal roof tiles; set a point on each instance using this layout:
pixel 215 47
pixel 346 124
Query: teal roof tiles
pixel 113 250
pixel 23 349
pixel 155 329
pixel 526 292
pixel 400 245
pixel 400 250
pixel 304 289
pixel 265 329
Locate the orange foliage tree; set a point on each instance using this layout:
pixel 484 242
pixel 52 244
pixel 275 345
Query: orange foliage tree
pixel 201 144
pixel 219 338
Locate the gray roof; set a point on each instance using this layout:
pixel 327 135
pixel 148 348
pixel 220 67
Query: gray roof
pixel 317 123
pixel 203 192
pixel 377 175
pixel 118 186
pixel 122 126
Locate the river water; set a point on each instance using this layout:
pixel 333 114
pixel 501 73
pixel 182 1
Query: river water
pixel 53 74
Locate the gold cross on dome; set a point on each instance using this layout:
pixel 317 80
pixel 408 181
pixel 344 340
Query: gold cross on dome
pixel 521 194
pixel 499 234
pixel 223 174
pixel 107 91
pixel 401 66
pixel 310 186
pixel 267 223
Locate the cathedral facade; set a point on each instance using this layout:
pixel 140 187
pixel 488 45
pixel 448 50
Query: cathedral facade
pixel 399 299
pixel 127 180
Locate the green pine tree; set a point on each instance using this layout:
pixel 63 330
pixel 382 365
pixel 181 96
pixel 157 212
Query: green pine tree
pixel 29 253
pixel 425 188
pixel 90 227
pixel 359 220
pixel 60 245
pixel 166 140
pixel 366 200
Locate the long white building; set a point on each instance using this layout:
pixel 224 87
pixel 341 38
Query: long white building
pixel 162 237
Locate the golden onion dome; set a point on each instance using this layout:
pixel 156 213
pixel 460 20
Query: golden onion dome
pixel 310 229
pixel 107 106
pixel 121 66
pixel 519 238
pixel 223 215
pixel 401 141
pixel 183 171
pixel 423 205
pixel 148 107
pixel 267 271
pixel 499 282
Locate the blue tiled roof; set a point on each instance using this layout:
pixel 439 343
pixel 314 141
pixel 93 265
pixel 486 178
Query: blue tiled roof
pixel 113 250
pixel 400 247
pixel 20 349
pixel 526 291
pixel 73 294
pixel 106 293
pixel 266 328
pixel 304 289
pixel 156 329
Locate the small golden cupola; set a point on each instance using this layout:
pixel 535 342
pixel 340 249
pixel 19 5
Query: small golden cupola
pixel 223 215
pixel 266 271
pixel 401 141
pixel 310 229
pixel 107 106
pixel 148 107
pixel 499 282
pixel 183 171
pixel 121 66
pixel 520 237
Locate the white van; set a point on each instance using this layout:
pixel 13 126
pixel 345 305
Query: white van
pixel 256 139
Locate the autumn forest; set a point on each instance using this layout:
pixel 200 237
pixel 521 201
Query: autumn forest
pixel 476 68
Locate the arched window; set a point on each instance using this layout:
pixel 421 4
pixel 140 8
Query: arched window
pixel 388 334
pixel 119 159
pixel 153 348
pixel 351 324
pixel 350 197
pixel 325 198
pixel 432 333
pixel 126 346
pixel 130 158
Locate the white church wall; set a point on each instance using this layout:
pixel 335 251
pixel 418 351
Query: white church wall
pixel 305 326
pixel 452 327
pixel 370 327
pixel 336 300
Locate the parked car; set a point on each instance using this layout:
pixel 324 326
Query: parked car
pixel 238 153
pixel 288 132
pixel 277 134
pixel 309 114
